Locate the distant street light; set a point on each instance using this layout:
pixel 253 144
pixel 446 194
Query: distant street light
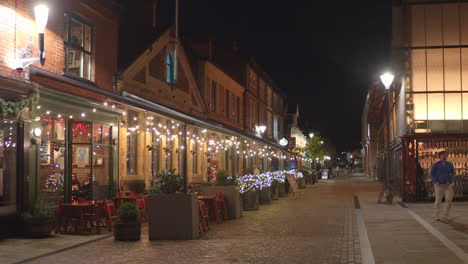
pixel 321 142
pixel 387 80
pixel 311 135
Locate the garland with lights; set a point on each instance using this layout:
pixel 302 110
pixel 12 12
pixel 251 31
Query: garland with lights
pixel 12 110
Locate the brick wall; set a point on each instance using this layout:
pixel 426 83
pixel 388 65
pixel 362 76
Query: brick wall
pixel 18 34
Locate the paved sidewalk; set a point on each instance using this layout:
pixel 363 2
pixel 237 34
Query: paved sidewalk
pixel 318 227
pixel 396 237
pixel 14 250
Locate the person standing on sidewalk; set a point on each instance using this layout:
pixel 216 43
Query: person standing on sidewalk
pixel 442 173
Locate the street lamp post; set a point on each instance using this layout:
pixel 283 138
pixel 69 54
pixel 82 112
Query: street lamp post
pixel 387 80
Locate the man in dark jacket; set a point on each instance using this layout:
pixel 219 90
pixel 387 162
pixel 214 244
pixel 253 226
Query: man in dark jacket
pixel 442 173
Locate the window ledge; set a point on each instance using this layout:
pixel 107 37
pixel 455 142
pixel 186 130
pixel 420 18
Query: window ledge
pixel 79 79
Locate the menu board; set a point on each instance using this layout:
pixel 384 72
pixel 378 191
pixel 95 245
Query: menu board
pixel 292 183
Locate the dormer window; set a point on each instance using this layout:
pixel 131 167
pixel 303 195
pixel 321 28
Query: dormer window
pixel 78 42
pixel 171 68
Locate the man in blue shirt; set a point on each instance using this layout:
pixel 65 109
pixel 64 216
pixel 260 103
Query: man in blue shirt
pixel 442 174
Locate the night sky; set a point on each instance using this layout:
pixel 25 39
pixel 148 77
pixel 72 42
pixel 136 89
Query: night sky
pixel 323 54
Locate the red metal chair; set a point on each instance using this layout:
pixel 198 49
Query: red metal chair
pixel 203 217
pixel 111 214
pixel 142 206
pixel 222 207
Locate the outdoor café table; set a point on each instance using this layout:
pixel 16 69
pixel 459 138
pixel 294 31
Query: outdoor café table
pixel 210 200
pixel 78 211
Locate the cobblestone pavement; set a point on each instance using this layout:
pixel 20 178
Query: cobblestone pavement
pixel 317 226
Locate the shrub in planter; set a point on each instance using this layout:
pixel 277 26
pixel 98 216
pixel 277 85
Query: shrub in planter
pixel 40 220
pixel 249 185
pixel 223 178
pixel 172 214
pixel 128 227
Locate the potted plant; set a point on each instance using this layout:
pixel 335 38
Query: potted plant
pixel 128 227
pixel 229 186
pixel 281 177
pixel 39 221
pixel 249 185
pixel 275 186
pixel 265 188
pixel 173 215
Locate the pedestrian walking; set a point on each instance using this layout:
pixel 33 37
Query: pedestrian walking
pixel 442 173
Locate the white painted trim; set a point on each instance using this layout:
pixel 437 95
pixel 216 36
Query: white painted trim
pixel 366 250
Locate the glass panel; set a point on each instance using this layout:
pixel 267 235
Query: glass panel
pixel 452 69
pixel 420 106
pixel 74 58
pixel 46 126
pixel 464 66
pixel 435 78
pixel 97 134
pixel 465 106
pixel 418 31
pixel 65 32
pixel 436 106
pixel 435 126
pixel 81 132
pixel 155 156
pixel 76 33
pixel 453 109
pixel 464 23
pixel 132 149
pixel 81 170
pixel 106 135
pixel 59 128
pixel 102 134
pixel 434 25
pixel 8 159
pixel 451 24
pixel 101 173
pixel 86 67
pixel 88 34
pixel 52 170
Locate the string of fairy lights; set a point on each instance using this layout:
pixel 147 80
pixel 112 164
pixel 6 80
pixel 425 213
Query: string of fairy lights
pixel 171 130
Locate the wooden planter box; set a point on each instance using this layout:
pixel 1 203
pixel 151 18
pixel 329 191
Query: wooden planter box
pixel 281 190
pixel 275 191
pixel 173 216
pixel 265 195
pixel 127 231
pixel 232 196
pixel 250 201
pixel 38 227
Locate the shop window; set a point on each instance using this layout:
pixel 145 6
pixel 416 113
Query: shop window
pixel 227 163
pixel 195 152
pixel 52 155
pixel 155 155
pixel 132 142
pixel 91 161
pixel 8 159
pixel 275 127
pixel 78 47
pixel 169 149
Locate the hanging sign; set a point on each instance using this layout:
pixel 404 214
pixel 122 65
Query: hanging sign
pixel 283 142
